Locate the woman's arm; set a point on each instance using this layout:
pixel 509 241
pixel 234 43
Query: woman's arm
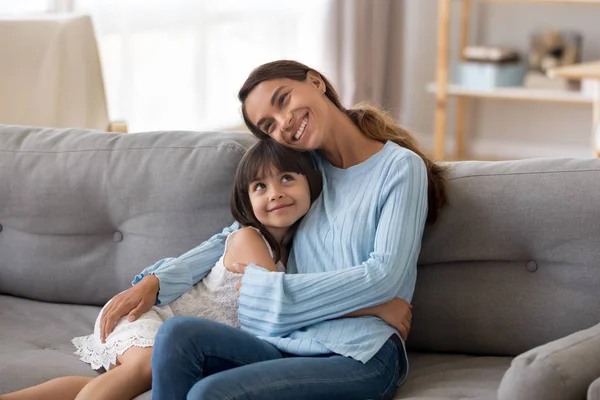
pixel 277 304
pixel 247 246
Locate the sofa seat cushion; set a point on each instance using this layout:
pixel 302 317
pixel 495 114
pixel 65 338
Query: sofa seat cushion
pixel 35 341
pixel 449 376
pixel 35 346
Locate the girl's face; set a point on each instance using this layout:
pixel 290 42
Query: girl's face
pixel 279 199
pixel 293 113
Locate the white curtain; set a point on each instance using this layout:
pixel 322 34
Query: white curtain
pixel 177 64
pixel 365 39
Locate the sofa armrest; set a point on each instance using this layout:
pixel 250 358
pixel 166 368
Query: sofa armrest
pixel 562 369
pixel 594 390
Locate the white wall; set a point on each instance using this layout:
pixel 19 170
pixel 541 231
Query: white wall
pixel 499 128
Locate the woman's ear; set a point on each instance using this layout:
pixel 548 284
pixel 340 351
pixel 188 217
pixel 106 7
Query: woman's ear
pixel 315 80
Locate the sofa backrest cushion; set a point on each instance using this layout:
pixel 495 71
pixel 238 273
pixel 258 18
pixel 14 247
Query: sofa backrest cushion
pixel 83 212
pixel 514 261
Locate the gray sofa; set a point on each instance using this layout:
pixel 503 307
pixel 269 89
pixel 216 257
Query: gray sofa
pixel 507 298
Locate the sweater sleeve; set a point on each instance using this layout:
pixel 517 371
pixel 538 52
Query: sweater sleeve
pixel 276 304
pixel 178 275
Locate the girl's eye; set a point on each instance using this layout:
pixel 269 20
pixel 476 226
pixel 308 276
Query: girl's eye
pixel 282 99
pixel 287 178
pixel 268 126
pixel 259 186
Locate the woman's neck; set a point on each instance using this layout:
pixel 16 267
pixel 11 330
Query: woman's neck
pixel 346 145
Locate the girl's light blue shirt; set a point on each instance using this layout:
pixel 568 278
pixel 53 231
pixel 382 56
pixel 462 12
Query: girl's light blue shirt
pixel 357 247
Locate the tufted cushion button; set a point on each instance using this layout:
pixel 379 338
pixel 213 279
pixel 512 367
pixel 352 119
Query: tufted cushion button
pixel 117 236
pixel 531 266
pixel 0 227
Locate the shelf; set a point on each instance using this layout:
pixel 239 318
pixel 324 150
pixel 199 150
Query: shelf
pixel 518 94
pixel 446 89
pixel 570 2
pixel 589 70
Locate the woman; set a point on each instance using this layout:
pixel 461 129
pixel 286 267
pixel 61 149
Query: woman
pixel 356 248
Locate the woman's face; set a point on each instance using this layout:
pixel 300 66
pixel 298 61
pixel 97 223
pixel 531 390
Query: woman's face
pixel 291 112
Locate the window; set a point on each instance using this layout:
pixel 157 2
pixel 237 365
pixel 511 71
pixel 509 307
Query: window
pixel 177 64
pixel 12 7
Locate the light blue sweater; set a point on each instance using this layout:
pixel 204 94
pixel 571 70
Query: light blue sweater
pixel 357 247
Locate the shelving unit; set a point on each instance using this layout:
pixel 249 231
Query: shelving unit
pixel 444 90
pixel 517 94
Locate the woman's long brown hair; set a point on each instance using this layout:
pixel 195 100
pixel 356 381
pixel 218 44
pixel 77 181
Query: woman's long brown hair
pixel 371 120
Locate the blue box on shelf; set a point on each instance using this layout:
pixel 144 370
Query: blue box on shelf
pixel 485 75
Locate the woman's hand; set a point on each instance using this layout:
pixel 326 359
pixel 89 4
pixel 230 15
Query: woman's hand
pixel 240 269
pixel 396 312
pixel 133 302
pixel 237 268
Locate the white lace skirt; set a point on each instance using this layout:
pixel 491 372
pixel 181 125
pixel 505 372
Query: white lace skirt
pixel 215 297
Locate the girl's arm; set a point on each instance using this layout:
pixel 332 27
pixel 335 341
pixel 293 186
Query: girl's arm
pixel 177 275
pixel 277 304
pixel 246 246
pixel 164 281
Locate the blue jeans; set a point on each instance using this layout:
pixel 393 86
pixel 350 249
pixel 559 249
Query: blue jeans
pixel 199 359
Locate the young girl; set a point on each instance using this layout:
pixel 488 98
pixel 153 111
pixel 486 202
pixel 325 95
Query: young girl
pixel 274 188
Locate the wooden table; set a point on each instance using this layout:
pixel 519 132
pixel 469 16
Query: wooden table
pixel 589 70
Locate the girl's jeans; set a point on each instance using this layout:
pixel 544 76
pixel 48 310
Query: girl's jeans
pixel 199 359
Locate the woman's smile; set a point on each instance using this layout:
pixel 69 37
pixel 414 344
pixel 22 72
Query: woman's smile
pixel 300 131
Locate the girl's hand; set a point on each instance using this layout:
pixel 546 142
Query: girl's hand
pixel 133 302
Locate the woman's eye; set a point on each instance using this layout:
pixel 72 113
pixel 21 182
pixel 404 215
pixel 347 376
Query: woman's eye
pixel 259 186
pixel 282 99
pixel 287 178
pixel 268 126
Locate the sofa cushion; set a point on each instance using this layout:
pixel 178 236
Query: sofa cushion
pixel 594 390
pixel 83 212
pixel 512 262
pixel 559 370
pixel 35 346
pixel 35 341
pixel 446 376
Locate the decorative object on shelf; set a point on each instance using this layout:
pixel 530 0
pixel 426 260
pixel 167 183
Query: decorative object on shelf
pixel 489 67
pixel 474 75
pixel 494 54
pixel 551 49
